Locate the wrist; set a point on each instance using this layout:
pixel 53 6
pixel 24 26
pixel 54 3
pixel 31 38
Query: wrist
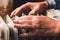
pixel 57 30
pixel 50 26
pixel 45 4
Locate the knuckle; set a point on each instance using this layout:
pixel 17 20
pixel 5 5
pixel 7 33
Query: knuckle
pixel 17 21
pixel 37 7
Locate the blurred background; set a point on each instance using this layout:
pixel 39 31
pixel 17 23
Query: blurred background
pixel 7 6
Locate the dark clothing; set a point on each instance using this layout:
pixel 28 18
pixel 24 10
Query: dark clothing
pixel 55 4
pixel 18 3
pixel 52 3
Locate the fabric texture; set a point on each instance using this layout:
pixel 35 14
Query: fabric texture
pixel 51 3
pixel 54 4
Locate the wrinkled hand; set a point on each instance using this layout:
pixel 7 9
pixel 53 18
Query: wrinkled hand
pixel 39 24
pixel 30 8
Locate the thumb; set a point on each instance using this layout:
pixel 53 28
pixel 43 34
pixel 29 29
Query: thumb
pixel 34 11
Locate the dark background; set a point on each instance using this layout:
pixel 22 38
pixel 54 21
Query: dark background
pixel 18 3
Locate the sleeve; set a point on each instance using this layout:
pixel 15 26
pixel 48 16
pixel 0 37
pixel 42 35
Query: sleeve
pixel 51 4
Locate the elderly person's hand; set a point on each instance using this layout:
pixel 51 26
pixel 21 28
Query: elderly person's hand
pixel 40 25
pixel 30 8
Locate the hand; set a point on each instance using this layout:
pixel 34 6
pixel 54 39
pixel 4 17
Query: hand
pixel 41 25
pixel 30 8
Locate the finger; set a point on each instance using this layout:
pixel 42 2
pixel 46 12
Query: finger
pixel 13 18
pixel 17 21
pixel 21 26
pixel 34 11
pixel 19 10
pixel 13 12
pixel 22 21
pixel 33 33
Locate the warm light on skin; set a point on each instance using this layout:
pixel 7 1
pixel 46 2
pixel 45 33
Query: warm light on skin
pixel 50 26
pixel 34 6
pixel 57 30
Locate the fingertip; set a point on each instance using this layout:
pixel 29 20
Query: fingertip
pixel 32 13
pixel 12 15
pixel 13 18
pixel 14 21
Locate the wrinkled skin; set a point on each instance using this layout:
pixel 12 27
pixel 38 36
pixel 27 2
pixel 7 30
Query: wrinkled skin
pixel 41 25
pixel 30 8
